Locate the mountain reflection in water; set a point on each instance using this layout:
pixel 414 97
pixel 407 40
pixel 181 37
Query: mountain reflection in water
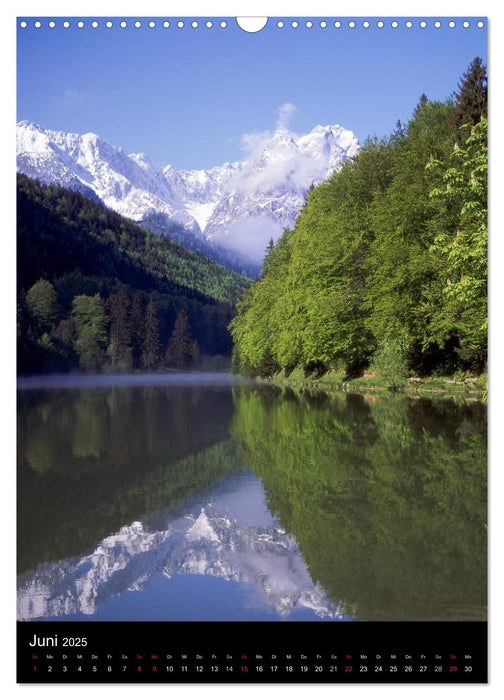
pixel 229 535
pixel 187 497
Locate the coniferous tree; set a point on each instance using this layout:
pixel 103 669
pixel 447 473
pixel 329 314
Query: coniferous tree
pixel 151 350
pixel 471 100
pixel 120 330
pixel 180 351
pixel 138 317
pixel 422 101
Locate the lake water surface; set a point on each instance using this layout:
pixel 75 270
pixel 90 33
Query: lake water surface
pixel 206 497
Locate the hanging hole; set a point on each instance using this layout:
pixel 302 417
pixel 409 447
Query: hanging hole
pixel 251 24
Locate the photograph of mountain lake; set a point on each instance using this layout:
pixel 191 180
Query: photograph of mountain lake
pixel 252 364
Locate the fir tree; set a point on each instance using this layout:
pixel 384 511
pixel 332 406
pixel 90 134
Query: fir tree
pixel 180 351
pixel 471 100
pixel 120 330
pixel 138 318
pixel 151 350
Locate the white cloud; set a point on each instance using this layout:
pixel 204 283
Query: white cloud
pixel 266 194
pixel 285 113
pixel 275 160
pixel 251 236
pixel 252 143
pixel 73 96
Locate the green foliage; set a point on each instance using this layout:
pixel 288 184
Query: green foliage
pixel 389 363
pixel 151 350
pixel 471 100
pixel 182 350
pixel 366 264
pixel 461 236
pixel 70 246
pixel 91 327
pixel 119 348
pixel 137 320
pixel 61 230
pixel 41 301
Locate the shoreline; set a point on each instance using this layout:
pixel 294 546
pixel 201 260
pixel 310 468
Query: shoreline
pixel 435 388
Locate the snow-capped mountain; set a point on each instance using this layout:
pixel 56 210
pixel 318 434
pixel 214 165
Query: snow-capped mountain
pixel 239 205
pixel 130 185
pixel 223 536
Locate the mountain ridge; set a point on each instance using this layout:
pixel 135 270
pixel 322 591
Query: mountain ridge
pixel 237 205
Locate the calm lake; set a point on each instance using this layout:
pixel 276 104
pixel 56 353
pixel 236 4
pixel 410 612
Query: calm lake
pixel 207 497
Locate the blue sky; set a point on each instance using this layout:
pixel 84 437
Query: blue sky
pixel 187 96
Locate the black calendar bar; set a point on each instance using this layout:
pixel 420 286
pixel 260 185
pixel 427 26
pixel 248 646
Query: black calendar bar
pixel 245 652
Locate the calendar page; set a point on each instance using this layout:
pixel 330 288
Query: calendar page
pixel 252 349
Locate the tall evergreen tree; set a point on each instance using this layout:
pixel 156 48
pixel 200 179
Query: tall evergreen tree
pixel 471 99
pixel 137 318
pixel 180 351
pixel 120 331
pixel 151 351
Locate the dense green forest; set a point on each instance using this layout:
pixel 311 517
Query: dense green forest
pixel 386 267
pixel 162 225
pixel 98 292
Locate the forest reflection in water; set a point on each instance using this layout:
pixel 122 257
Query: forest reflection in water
pixel 364 508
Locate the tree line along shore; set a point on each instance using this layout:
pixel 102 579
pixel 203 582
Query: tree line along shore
pixel 383 279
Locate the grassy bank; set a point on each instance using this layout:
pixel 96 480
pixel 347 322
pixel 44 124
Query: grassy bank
pixel 463 387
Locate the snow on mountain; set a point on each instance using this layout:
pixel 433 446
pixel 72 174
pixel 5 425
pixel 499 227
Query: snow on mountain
pixel 222 536
pixel 130 185
pixel 239 205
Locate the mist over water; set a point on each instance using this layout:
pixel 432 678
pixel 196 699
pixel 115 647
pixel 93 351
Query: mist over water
pixel 83 381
